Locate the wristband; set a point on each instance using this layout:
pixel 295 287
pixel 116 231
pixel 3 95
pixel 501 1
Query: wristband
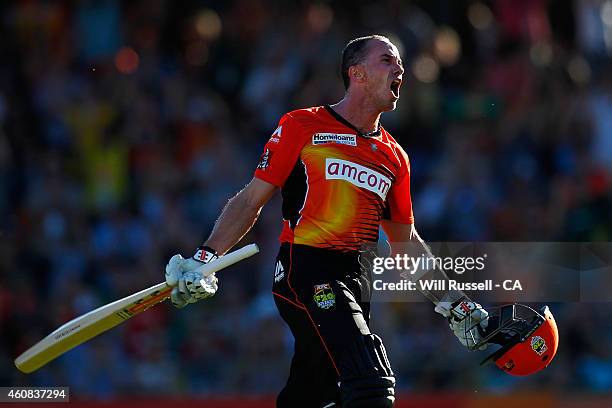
pixel 462 308
pixel 205 254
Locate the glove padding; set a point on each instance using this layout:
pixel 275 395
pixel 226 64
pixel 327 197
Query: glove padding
pixel 467 321
pixel 189 284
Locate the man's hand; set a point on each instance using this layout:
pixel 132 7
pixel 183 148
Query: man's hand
pixel 189 284
pixel 467 320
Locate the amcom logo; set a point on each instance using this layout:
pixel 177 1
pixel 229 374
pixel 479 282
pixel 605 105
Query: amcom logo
pixel 361 176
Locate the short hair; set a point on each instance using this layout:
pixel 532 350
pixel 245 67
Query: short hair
pixel 354 52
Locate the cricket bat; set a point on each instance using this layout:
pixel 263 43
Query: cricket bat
pixel 91 324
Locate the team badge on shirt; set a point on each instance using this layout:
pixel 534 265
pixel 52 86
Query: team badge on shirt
pixel 324 296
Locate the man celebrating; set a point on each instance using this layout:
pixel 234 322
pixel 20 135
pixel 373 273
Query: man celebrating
pixel 342 176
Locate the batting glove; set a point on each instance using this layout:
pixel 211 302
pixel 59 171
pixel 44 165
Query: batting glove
pixel 191 285
pixel 467 320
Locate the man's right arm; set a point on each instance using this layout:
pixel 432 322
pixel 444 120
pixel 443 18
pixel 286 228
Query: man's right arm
pixel 236 219
pixel 239 215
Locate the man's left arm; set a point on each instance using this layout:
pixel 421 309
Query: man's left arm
pixel 463 314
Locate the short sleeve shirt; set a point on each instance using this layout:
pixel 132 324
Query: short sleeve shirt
pixel 336 184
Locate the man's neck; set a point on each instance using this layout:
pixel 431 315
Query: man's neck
pixel 357 112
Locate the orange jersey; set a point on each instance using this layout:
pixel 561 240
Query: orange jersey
pixel 336 184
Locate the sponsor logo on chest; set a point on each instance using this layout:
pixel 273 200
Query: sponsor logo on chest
pixel 356 174
pixel 338 138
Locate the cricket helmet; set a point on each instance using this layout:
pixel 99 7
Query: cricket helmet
pixel 528 338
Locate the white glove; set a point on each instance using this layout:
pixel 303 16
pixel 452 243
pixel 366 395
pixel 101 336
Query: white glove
pixel 464 318
pixel 191 285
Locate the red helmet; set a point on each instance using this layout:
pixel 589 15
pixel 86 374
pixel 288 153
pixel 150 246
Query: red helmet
pixel 529 339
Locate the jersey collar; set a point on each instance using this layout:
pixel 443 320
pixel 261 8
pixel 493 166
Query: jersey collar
pixel 331 111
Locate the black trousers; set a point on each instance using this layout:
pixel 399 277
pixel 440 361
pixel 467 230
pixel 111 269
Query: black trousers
pixel 324 298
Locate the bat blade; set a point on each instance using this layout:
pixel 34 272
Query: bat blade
pixel 89 325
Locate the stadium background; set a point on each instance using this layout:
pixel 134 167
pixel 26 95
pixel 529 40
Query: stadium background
pixel 125 126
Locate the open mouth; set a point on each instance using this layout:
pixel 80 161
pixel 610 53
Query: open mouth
pixel 395 87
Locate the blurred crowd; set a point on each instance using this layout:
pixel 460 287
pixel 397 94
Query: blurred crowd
pixel 125 127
